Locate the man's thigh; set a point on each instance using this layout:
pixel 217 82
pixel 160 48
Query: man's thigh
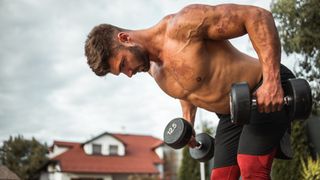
pixel 226 142
pixel 261 139
pixel 252 139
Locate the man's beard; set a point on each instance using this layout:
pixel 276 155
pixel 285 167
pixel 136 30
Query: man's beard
pixel 137 52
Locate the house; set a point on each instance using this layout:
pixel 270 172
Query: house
pixel 108 156
pixel 6 174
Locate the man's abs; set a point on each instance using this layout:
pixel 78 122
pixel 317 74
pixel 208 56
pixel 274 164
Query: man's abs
pixel 203 72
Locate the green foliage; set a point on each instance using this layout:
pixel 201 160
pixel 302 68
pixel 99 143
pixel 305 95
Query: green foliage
pixel 207 128
pixel 291 170
pixel 170 165
pixel 310 169
pixel 299 25
pixel 299 29
pixel 190 168
pixel 23 156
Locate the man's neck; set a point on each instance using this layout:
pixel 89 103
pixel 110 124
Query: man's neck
pixel 151 39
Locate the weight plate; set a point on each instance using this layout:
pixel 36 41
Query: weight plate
pixel 299 92
pixel 177 133
pixel 240 103
pixel 206 151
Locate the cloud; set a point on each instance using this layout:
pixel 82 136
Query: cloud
pixel 47 90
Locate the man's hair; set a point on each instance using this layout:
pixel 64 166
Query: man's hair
pixel 100 46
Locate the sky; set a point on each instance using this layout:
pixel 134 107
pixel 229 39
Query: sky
pixel 47 90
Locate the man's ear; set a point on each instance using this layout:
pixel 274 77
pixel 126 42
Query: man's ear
pixel 123 37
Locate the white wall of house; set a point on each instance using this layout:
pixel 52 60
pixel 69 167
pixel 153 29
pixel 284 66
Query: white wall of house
pixel 105 142
pixel 52 173
pixel 160 152
pixel 52 176
pixel 69 176
pixel 160 168
pixel 57 176
pixel 44 176
pixel 57 151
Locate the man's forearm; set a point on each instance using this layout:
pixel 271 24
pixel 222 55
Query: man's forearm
pixel 188 111
pixel 264 37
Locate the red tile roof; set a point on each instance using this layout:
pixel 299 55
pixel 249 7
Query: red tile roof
pixel 139 158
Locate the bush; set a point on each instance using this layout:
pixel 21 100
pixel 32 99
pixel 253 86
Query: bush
pixel 291 170
pixel 310 169
pixel 190 168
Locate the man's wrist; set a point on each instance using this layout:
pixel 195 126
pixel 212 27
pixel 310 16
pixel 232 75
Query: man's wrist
pixel 191 122
pixel 271 77
pixel 271 73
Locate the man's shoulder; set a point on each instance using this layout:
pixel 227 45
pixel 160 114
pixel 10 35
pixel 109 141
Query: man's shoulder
pixel 185 13
pixel 189 18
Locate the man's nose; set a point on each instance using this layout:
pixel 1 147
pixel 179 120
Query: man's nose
pixel 129 73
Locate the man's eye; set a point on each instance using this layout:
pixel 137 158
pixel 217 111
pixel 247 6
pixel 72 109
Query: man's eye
pixel 121 65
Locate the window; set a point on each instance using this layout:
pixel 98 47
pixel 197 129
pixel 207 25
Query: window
pixel 113 149
pixel 96 149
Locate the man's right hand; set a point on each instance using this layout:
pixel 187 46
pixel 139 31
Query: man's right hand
pixel 192 143
pixel 270 97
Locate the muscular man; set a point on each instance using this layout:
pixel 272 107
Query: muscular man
pixel 189 56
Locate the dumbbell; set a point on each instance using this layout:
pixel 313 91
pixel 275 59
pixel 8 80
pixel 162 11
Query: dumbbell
pixel 297 101
pixel 178 133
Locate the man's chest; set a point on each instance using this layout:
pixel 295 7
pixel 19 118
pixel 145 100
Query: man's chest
pixel 183 71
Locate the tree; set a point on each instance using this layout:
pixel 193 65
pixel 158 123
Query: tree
pixel 190 168
pixel 209 129
pixel 23 156
pixel 299 29
pixel 291 170
pixel 170 164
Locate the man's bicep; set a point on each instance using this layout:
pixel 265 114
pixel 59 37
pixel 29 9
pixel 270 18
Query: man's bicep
pixel 225 22
pixel 219 22
pixel 211 22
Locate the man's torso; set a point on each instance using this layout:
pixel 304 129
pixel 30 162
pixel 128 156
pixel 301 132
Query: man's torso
pixel 202 71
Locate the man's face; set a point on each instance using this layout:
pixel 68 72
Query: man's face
pixel 129 61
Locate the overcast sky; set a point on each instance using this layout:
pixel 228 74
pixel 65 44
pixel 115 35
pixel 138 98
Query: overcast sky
pixel 47 90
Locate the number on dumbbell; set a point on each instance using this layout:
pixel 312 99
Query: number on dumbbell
pixel 172 128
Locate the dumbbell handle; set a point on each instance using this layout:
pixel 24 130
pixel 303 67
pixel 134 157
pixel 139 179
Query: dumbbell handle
pixel 287 101
pixel 197 144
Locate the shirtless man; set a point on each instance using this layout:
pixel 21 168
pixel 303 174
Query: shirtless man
pixel 189 56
